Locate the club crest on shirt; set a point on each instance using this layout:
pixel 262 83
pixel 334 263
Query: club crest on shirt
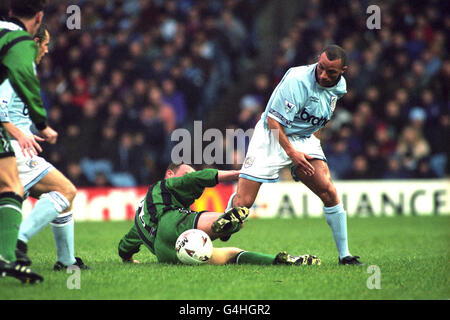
pixel 289 106
pixel 248 162
pixel 333 103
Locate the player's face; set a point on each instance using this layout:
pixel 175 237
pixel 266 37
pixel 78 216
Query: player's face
pixel 327 71
pixel 43 47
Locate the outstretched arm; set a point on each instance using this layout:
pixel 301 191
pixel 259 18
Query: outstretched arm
pixel 129 245
pixel 228 175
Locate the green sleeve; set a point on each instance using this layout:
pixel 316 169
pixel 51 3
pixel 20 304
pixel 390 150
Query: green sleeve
pixel 130 243
pixel 19 60
pixel 191 186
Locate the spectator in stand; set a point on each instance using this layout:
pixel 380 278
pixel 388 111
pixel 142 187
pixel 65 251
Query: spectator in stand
pixel 76 176
pixel 395 169
pixel 172 96
pixel 102 180
pixel 377 163
pixel 165 111
pixel 107 149
pixel 423 170
pixel 339 159
pixel 360 169
pixel 386 143
pixel 250 112
pixel 412 147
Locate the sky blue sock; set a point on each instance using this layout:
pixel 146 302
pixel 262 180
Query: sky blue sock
pixel 63 233
pixel 337 220
pixel 43 212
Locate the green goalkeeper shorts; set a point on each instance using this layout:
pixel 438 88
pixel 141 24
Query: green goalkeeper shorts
pixel 161 241
pixel 5 145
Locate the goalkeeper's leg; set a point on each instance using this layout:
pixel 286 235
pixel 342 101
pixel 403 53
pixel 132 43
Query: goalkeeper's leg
pixel 231 221
pixel 221 256
pixel 220 225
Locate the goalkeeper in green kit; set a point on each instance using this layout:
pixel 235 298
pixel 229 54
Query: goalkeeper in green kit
pixel 165 213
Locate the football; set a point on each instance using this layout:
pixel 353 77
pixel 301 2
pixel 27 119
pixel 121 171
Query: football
pixel 194 247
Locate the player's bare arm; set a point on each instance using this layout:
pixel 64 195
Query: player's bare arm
pixel 28 144
pixel 299 158
pixel 228 175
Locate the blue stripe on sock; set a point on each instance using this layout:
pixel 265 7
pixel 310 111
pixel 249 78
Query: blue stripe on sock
pixel 62 220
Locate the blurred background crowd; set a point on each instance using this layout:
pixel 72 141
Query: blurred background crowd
pixel 138 69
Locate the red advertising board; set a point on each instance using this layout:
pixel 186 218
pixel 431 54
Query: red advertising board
pixel 105 204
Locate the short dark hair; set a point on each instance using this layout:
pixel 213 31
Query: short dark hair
pixel 27 8
pixel 335 52
pixel 41 35
pixel 5 5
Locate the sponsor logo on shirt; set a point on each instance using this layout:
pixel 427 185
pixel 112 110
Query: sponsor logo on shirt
pixel 315 121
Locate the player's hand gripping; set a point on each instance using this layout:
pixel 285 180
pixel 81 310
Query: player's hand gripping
pixel 300 160
pixel 29 144
pixel 49 135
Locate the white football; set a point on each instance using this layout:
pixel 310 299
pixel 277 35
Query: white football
pixel 194 247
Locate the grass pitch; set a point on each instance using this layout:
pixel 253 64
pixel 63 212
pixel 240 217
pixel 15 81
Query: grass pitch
pixel 411 253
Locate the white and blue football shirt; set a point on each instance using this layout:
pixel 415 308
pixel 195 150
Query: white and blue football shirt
pixel 300 104
pixel 13 110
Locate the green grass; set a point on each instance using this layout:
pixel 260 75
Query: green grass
pixel 411 252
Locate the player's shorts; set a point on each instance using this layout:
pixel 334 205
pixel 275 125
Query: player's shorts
pixel 161 240
pixel 265 157
pixel 31 169
pixel 6 149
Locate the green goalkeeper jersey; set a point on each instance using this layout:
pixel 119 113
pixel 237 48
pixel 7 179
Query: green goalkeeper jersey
pixel 18 52
pixel 175 193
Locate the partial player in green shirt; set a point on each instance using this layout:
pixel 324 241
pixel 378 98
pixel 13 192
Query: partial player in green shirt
pixel 17 54
pixel 164 214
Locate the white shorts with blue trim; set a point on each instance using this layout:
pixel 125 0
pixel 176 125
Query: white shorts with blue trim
pixel 31 169
pixel 265 157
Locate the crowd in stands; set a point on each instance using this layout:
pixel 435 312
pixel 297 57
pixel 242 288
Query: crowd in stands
pixel 135 71
pixel 138 69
